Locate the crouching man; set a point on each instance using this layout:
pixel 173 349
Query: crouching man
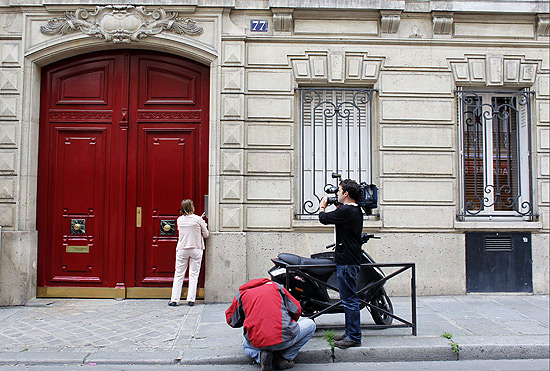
pixel 272 333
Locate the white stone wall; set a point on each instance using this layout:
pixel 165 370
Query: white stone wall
pixel 18 267
pixel 415 53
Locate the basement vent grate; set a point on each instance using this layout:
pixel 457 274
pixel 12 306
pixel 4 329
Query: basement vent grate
pixel 493 243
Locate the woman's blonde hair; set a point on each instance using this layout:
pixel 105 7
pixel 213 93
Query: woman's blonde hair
pixel 187 207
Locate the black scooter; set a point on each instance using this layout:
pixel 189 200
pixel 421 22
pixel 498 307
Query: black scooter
pixel 315 286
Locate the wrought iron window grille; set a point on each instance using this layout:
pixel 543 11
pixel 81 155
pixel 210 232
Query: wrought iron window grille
pixel 336 137
pixel 495 142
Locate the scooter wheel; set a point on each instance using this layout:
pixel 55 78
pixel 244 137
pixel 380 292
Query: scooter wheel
pixel 381 300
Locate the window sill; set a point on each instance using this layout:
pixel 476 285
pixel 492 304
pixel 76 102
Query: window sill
pixel 315 225
pixel 508 225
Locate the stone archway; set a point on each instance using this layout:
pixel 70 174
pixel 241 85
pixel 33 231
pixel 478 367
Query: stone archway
pixel 42 54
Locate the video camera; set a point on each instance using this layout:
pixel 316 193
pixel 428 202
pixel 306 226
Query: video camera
pixel 369 194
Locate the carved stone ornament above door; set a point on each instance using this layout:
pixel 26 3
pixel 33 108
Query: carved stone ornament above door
pixel 121 23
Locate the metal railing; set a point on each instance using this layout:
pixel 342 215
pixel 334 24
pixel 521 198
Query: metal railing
pixel 297 270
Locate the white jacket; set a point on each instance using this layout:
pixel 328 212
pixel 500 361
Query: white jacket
pixel 191 228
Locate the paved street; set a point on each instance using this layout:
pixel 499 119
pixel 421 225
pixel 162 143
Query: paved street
pixel 478 365
pixel 147 332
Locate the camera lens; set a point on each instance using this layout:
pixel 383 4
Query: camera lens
pixel 331 189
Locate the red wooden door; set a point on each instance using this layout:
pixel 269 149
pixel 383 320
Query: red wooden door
pixel 172 146
pixel 118 131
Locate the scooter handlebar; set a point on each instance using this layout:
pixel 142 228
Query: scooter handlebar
pixel 364 239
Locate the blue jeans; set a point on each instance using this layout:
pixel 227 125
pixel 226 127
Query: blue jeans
pixel 288 349
pixel 347 282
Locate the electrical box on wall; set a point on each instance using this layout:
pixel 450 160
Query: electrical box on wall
pixel 498 262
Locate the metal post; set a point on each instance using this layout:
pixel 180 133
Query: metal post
pixel 287 276
pixel 413 299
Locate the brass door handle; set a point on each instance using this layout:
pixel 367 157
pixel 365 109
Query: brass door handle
pixel 138 217
pixel 167 227
pixel 78 226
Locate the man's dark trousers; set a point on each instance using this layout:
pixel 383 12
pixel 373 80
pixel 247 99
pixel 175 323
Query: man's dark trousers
pixel 347 282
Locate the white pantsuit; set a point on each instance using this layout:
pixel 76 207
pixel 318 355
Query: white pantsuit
pixel 184 258
pixel 192 230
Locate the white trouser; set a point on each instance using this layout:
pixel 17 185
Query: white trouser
pixel 194 256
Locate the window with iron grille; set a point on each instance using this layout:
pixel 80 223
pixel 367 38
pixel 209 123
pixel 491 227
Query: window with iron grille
pixel 336 137
pixel 495 154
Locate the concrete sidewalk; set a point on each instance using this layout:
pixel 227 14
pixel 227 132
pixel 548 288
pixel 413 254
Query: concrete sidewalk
pixel 103 331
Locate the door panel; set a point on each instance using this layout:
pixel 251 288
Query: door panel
pixel 78 158
pixel 167 82
pixel 170 91
pixel 89 85
pixel 172 142
pixel 79 206
pixel 118 130
pixel 162 189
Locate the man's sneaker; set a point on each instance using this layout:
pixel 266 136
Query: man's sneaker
pixel 173 304
pixel 339 337
pixel 266 360
pixel 281 363
pixel 346 343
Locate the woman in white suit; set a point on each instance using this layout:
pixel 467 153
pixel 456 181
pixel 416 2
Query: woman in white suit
pixel 192 230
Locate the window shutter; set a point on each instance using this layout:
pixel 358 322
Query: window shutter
pixel 523 105
pixel 460 125
pixel 473 127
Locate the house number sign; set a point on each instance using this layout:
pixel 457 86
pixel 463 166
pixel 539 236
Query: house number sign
pixel 258 25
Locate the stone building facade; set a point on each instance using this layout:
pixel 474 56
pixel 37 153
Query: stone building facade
pixel 280 72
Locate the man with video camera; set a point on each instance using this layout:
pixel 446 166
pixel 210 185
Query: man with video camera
pixel 348 221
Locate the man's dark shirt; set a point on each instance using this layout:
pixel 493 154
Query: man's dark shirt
pixel 349 225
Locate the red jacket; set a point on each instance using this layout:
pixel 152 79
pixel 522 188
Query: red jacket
pixel 267 311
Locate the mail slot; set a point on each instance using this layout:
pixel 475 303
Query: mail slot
pixel 78 249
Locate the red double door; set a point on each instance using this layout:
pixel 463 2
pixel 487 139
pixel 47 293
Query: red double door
pixel 123 139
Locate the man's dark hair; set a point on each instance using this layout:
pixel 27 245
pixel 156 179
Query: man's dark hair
pixel 353 189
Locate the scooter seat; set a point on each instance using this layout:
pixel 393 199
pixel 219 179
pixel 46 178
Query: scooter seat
pixel 293 259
